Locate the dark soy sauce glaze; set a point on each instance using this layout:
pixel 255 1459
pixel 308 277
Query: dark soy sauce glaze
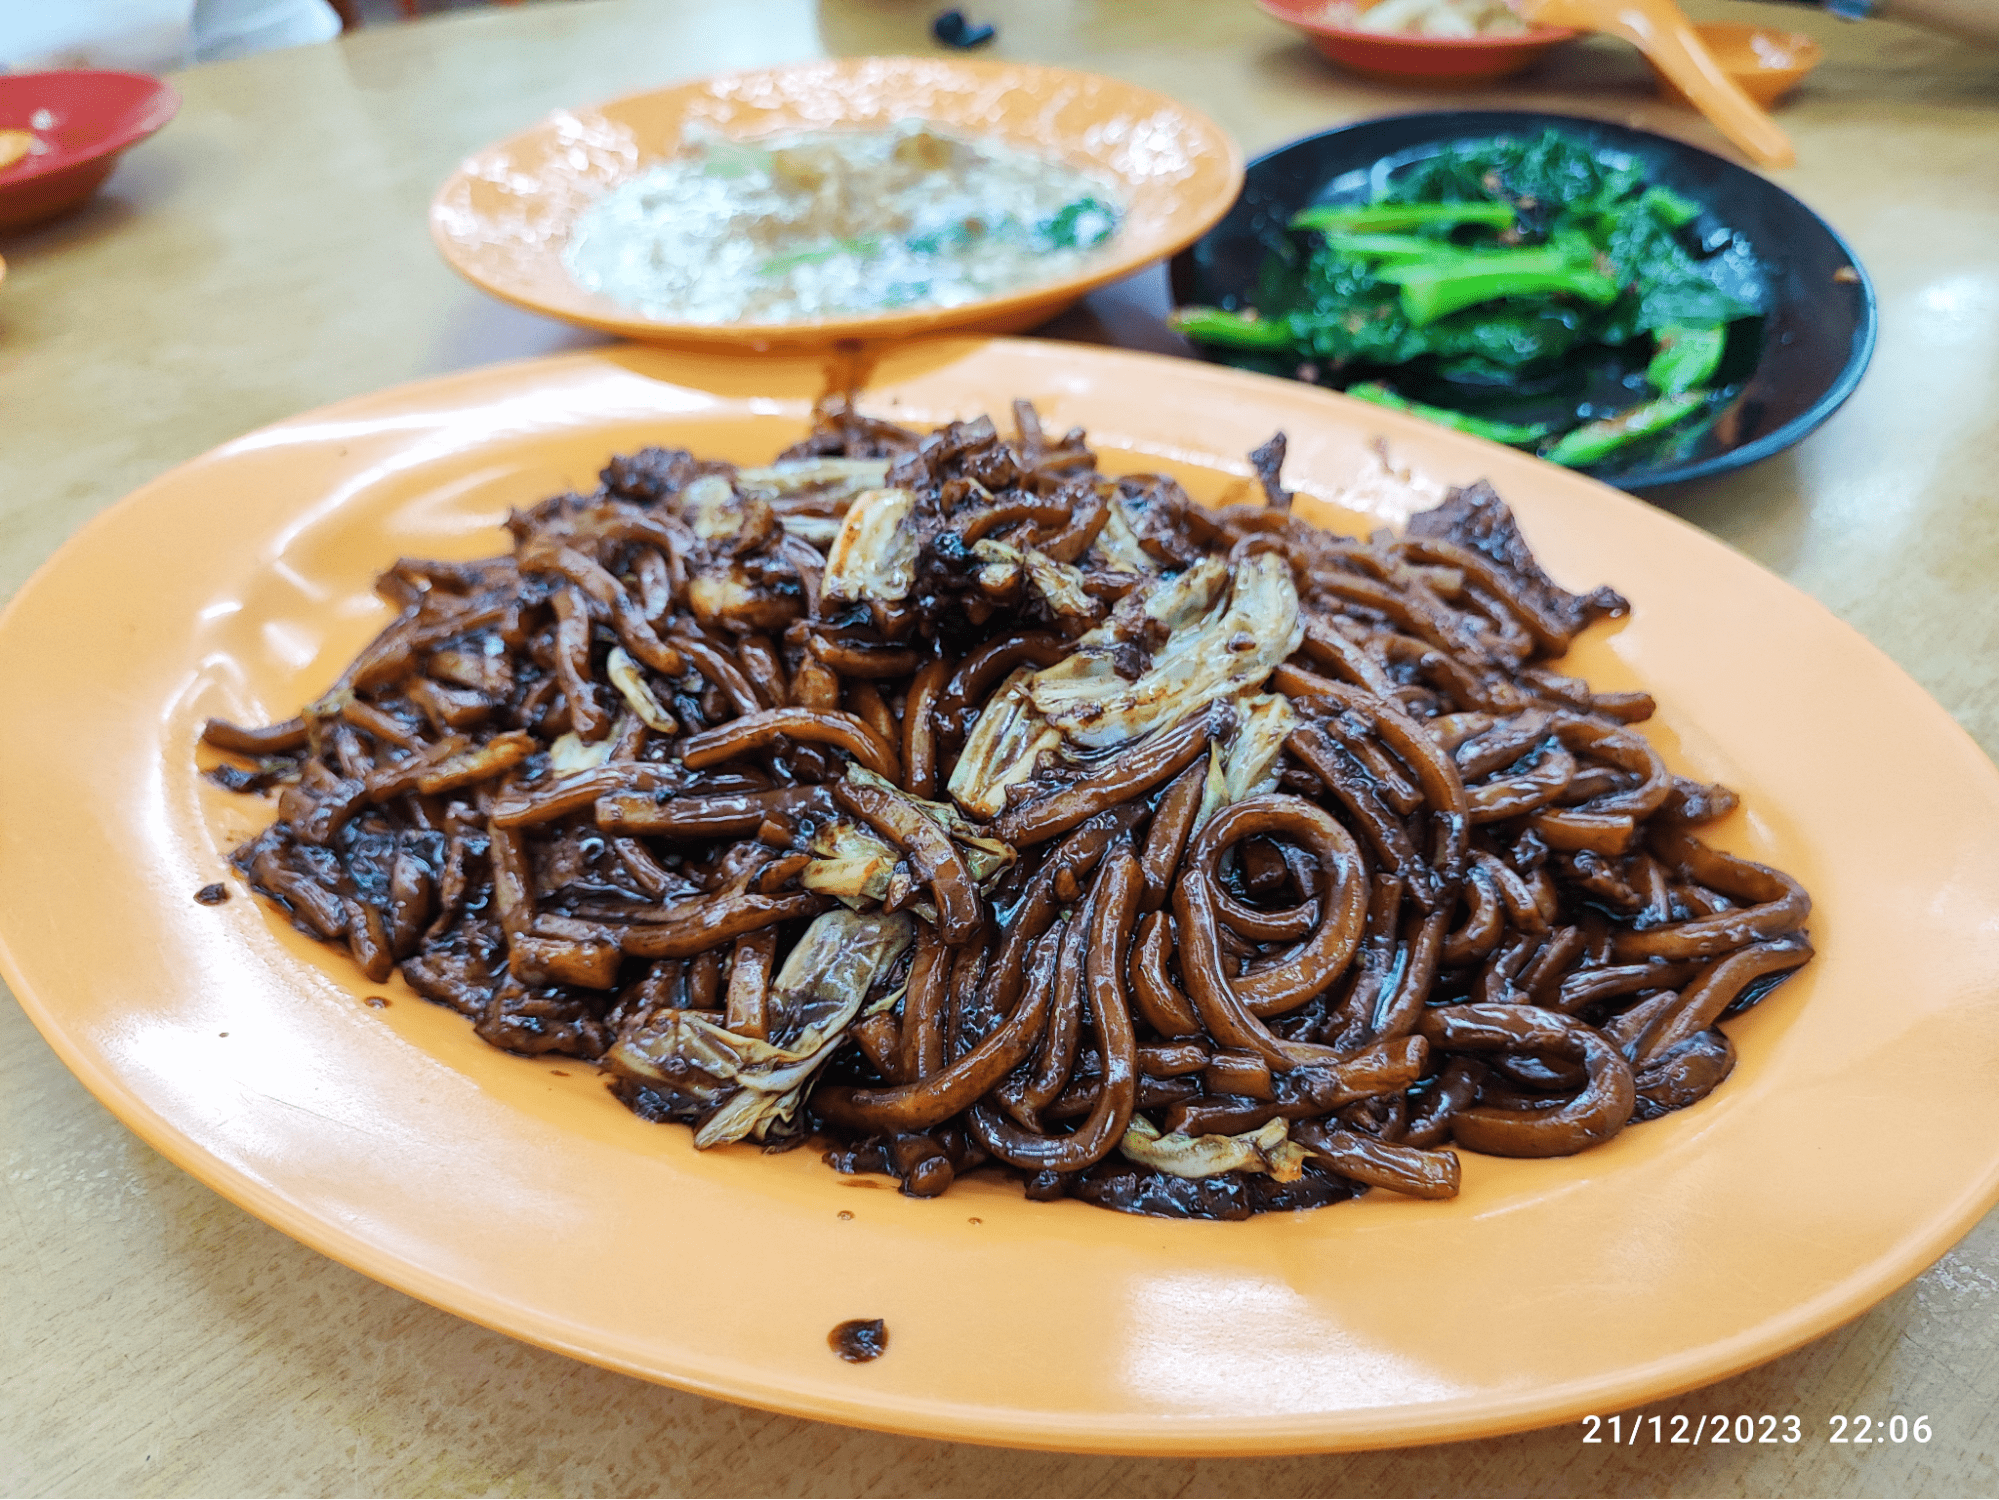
pixel 859 1340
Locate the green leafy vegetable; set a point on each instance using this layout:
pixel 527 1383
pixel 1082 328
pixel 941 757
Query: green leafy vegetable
pixel 1686 357
pixel 1500 266
pixel 1212 325
pixel 1431 289
pixel 1673 288
pixel 777 265
pixel 1594 441
pixel 1396 215
pixel 1389 246
pixel 1080 225
pixel 1552 171
pixel 1515 434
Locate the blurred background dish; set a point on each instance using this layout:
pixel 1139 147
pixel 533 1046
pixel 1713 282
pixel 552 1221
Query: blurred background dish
pixel 1436 61
pixel 1784 376
pixel 81 122
pixel 504 219
pixel 1766 64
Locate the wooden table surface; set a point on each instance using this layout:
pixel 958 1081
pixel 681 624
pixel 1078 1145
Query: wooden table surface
pixel 268 253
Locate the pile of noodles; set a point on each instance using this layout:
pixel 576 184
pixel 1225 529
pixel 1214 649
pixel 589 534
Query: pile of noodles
pixel 944 796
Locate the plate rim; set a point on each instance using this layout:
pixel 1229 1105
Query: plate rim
pixel 1455 1419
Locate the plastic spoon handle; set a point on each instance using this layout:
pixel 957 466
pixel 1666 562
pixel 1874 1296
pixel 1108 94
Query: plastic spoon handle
pixel 1660 30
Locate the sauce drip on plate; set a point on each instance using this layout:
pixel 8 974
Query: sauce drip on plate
pixel 859 1340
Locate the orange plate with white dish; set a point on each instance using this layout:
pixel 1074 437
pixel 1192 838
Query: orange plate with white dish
pixel 503 220
pixel 397 1141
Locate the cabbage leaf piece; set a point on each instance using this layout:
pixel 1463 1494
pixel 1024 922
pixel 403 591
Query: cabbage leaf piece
pixel 1222 630
pixel 1005 746
pixel 1117 547
pixel 850 862
pixel 984 856
pixel 1244 764
pixel 874 555
pixel 1226 629
pixel 828 479
pixel 1268 1148
pixel 571 753
pixel 749 1088
pixel 854 864
pixel 1059 585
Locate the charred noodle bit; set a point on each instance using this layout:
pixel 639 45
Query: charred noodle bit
pixel 945 796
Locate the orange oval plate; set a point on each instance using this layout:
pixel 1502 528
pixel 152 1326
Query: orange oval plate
pixel 1857 1140
pixel 502 220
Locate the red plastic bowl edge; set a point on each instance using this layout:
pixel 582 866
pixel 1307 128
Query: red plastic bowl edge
pixel 152 110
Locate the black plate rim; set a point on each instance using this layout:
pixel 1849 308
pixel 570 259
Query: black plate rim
pixel 1752 452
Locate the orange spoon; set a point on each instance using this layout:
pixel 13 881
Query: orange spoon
pixel 1662 32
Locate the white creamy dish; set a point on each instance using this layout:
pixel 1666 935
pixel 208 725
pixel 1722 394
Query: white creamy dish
pixel 1432 18
pixel 830 224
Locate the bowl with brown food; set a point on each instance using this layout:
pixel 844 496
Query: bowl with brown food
pixel 661 815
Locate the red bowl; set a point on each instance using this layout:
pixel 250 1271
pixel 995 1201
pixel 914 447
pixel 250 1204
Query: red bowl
pixel 92 118
pixel 1436 61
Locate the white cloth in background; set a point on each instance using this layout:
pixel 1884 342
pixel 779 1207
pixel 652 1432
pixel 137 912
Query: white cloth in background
pixel 152 36
pixel 237 28
pixel 140 36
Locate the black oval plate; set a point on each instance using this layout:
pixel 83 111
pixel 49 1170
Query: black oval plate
pixel 1816 338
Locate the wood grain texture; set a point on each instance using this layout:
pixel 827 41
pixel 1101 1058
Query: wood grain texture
pixel 267 254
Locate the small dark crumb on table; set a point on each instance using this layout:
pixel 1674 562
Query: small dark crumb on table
pixel 557 1073
pixel 859 1340
pixel 953 30
pixel 212 895
pixel 379 1002
pixel 844 1214
pixel 975 1221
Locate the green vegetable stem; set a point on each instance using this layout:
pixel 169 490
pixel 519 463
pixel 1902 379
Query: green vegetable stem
pixel 1490 264
pixel 1434 289
pixel 1214 325
pixel 1594 441
pixel 1392 246
pixel 1686 357
pixel 1514 434
pixel 1670 206
pixel 1374 217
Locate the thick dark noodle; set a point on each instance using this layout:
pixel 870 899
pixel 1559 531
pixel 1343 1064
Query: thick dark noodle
pixel 708 781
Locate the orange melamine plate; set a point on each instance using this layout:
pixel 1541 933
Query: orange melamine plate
pixel 502 220
pixel 1857 1140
